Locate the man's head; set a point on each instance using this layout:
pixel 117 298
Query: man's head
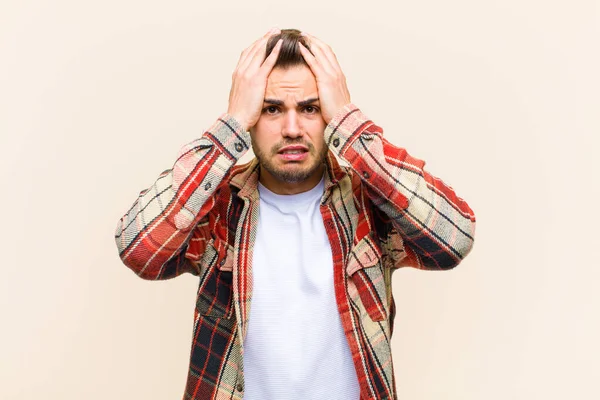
pixel 288 137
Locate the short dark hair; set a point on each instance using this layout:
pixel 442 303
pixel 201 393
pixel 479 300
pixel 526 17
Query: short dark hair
pixel 289 55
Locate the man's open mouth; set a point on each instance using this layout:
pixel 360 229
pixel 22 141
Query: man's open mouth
pixel 293 150
pixel 293 153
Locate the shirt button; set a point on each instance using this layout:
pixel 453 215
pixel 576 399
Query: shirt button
pixel 368 137
pixel 183 219
pixel 240 387
pixel 238 147
pixel 366 175
pixel 207 186
pixel 336 142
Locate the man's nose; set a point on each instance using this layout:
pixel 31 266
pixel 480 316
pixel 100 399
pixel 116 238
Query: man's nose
pixel 291 125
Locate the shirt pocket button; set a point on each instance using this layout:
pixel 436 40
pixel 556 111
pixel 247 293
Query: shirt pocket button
pixel 365 270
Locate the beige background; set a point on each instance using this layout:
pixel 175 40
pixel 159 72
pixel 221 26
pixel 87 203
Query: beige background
pixel 501 98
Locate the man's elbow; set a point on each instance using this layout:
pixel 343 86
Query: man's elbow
pixel 451 257
pixel 137 261
pixel 460 250
pixel 138 265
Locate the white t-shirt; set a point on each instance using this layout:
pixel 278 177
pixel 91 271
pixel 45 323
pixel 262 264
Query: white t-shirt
pixel 295 346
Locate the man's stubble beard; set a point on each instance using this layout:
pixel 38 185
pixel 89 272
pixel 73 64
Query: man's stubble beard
pixel 295 175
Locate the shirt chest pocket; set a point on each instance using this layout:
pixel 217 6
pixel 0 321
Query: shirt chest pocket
pixel 215 291
pixel 367 278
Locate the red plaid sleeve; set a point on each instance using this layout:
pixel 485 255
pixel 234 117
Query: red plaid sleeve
pixel 432 225
pixel 153 233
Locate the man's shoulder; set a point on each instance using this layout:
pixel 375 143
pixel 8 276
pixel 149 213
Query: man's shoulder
pixel 241 168
pixel 240 175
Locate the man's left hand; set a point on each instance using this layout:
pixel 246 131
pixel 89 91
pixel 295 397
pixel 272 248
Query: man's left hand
pixel 331 82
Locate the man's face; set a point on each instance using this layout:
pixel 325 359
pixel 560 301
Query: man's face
pixel 288 137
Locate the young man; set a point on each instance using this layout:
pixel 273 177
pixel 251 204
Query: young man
pixel 294 253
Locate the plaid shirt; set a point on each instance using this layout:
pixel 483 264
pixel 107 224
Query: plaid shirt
pixel 381 212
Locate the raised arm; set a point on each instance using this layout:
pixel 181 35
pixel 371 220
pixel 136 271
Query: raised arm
pixel 426 219
pixel 162 219
pixel 154 235
pixel 436 226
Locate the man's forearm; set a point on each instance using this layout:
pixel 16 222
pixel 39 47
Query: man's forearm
pixel 437 225
pixel 163 217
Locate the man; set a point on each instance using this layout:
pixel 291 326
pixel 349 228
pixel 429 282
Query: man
pixel 294 253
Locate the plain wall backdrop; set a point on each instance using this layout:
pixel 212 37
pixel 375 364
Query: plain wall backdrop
pixel 500 98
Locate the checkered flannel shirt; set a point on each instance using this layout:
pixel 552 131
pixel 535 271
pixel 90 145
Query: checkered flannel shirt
pixel 381 212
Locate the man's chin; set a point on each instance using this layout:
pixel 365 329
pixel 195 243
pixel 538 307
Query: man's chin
pixel 291 175
pixel 292 172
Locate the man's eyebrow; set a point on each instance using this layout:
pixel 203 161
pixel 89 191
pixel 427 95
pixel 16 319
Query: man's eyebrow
pixel 300 103
pixel 307 101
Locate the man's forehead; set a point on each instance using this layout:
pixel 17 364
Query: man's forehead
pixel 291 78
pixel 291 86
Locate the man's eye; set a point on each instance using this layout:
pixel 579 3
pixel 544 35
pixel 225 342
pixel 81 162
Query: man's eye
pixel 270 110
pixel 311 109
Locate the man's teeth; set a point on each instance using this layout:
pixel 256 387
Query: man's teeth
pixel 293 152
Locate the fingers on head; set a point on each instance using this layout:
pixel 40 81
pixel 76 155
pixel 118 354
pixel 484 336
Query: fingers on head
pixel 310 59
pixel 323 54
pixel 260 45
pixel 317 42
pixel 318 61
pixel 272 58
pixel 250 52
pixel 253 54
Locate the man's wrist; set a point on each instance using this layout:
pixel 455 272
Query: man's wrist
pixel 240 120
pixel 349 120
pixel 231 135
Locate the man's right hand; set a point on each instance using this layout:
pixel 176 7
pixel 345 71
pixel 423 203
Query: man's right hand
pixel 250 81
